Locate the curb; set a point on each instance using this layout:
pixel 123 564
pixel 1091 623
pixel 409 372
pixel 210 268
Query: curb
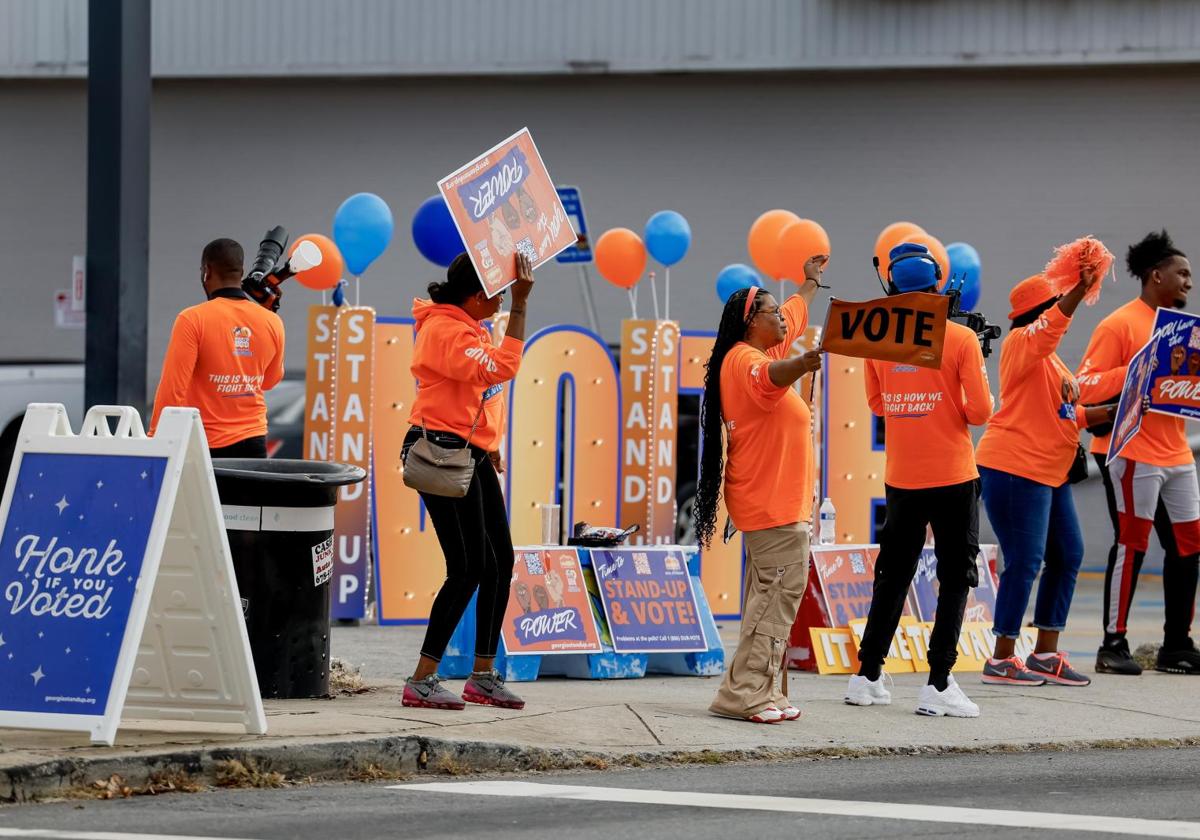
pixel 395 757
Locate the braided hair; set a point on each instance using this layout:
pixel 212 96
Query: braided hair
pixel 732 330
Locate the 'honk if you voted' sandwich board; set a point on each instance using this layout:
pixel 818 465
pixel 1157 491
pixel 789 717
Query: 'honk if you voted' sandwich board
pixel 118 594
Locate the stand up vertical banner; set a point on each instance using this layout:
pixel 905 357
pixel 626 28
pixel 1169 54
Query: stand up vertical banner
pixel 354 362
pixel 318 383
pixel 650 407
pixel 118 585
pixel 665 403
pixel 637 438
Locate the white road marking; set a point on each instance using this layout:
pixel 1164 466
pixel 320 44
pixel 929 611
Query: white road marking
pixel 57 834
pixel 833 807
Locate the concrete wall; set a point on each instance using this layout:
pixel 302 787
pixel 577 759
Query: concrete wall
pixel 1013 163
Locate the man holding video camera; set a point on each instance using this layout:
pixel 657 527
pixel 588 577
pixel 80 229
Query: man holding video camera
pixel 223 354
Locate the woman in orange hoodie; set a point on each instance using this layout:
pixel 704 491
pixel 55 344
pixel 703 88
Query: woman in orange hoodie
pixel 460 377
pixel 1025 458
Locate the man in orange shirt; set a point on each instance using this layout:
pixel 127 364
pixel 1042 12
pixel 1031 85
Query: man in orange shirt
pixel 222 355
pixel 930 479
pixel 1153 483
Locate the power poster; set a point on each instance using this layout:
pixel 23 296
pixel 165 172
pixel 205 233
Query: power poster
pixel 549 609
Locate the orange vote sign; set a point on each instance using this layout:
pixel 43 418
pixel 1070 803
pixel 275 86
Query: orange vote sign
pixel 503 202
pixel 908 328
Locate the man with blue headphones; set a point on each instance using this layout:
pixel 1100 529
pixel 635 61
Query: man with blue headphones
pixel 930 479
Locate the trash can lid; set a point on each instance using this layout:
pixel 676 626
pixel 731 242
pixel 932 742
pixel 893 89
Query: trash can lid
pixel 288 470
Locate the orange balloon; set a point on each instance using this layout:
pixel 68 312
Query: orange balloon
pixel 798 243
pixel 763 240
pixel 620 257
pixel 890 237
pixel 937 250
pixel 326 275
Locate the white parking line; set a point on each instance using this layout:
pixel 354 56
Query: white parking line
pixel 57 834
pixel 833 807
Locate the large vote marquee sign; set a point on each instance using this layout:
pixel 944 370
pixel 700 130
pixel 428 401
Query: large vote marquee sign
pixel 118 590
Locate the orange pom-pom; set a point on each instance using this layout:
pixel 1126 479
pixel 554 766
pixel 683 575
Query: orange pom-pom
pixel 1075 258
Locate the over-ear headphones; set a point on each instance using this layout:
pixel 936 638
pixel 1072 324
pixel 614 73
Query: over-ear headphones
pixel 890 288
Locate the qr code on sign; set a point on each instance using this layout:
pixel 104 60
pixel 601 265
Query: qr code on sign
pixel 533 564
pixel 526 247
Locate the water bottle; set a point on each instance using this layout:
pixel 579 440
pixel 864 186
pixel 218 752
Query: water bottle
pixel 827 534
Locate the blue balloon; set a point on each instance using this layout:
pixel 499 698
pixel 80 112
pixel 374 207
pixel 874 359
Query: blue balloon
pixel 966 270
pixel 434 233
pixel 734 277
pixel 362 229
pixel 668 237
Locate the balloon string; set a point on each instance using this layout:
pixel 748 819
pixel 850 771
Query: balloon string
pixel 667 293
pixel 654 295
pixel 357 277
pixel 633 303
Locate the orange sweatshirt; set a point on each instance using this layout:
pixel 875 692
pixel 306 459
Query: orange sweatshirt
pixel 222 355
pixel 769 467
pixel 1162 442
pixel 456 367
pixel 1030 436
pixel 926 413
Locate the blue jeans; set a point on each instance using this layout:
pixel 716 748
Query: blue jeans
pixel 1038 530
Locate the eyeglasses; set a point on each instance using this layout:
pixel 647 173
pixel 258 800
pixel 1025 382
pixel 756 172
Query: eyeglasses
pixel 777 312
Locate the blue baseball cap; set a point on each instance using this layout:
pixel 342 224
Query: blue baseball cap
pixel 914 273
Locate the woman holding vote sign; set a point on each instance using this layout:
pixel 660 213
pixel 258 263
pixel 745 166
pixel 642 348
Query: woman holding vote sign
pixel 768 471
pixel 1026 459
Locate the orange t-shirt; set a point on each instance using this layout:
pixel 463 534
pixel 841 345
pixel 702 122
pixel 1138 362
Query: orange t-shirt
pixel 456 367
pixel 222 355
pixel 1162 441
pixel 769 470
pixel 926 413
pixel 1030 436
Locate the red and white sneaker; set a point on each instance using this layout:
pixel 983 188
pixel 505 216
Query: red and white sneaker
pixel 790 712
pixel 767 715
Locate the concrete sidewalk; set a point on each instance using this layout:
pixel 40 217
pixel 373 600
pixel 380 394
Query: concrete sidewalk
pixel 578 723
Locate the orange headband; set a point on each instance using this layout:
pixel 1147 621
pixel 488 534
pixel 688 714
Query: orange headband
pixel 749 302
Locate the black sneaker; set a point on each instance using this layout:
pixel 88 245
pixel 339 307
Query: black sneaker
pixel 1115 659
pixel 1185 660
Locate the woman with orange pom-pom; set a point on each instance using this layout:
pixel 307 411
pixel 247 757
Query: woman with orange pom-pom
pixel 1025 461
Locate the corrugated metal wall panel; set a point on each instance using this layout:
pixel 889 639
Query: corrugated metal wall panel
pixel 196 38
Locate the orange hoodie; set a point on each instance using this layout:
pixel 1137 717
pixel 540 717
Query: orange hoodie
pixel 1162 442
pixel 926 413
pixel 1033 435
pixel 457 366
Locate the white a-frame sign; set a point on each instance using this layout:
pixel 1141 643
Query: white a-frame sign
pixel 117 594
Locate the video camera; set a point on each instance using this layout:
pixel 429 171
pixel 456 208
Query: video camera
pixel 974 321
pixel 268 271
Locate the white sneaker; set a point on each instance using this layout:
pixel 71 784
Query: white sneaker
pixel 952 702
pixel 863 692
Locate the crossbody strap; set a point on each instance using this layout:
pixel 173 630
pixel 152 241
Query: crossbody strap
pixel 471 434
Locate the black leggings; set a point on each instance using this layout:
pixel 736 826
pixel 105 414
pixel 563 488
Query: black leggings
pixel 474 535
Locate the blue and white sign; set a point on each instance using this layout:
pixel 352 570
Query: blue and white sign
pixel 581 251
pixel 1127 422
pixel 70 561
pixel 87 633
pixel 648 600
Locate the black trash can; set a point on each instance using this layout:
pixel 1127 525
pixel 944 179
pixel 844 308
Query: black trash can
pixel 279 519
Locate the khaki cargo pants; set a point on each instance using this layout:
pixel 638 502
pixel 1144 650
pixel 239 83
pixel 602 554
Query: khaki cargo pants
pixel 776 574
